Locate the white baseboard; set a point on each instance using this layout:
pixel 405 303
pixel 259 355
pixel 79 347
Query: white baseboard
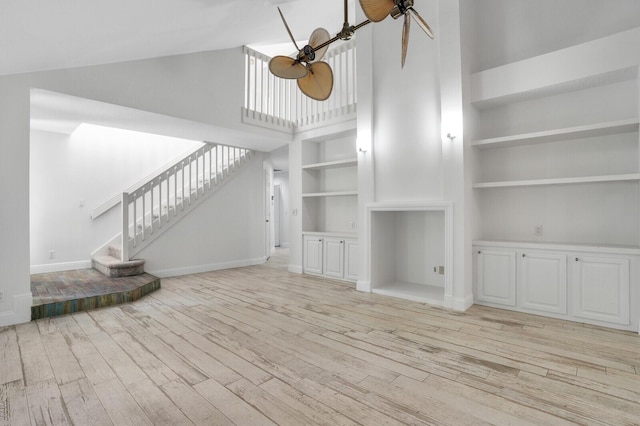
pixel 198 269
pixel 295 269
pixel 363 286
pixel 21 312
pixel 284 245
pixel 459 304
pixel 59 267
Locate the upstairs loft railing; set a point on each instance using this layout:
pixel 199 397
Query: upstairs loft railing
pixel 277 103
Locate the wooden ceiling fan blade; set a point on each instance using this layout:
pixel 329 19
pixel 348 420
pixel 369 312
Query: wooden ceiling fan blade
pixel 377 10
pixel 421 22
pixel 286 67
pixel 318 84
pixel 405 38
pixel 319 36
pixel 288 29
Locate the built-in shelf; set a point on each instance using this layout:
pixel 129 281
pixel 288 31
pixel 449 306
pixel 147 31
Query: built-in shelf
pixel 411 291
pixel 568 246
pixel 591 130
pixel 329 194
pixel 332 164
pixel 558 181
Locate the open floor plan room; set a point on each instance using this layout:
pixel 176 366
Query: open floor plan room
pixel 260 345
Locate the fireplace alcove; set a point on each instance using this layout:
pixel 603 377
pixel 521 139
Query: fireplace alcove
pixel 411 251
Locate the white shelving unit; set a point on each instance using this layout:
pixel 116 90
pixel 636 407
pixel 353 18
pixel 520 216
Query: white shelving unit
pixel 555 135
pixel 579 183
pixel 330 206
pixel 559 181
pixel 331 164
pixel 556 179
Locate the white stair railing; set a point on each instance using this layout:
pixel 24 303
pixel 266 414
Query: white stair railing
pixel 150 209
pixel 278 103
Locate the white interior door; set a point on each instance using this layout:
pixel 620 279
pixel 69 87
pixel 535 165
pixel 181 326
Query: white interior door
pixel 277 214
pixel 268 205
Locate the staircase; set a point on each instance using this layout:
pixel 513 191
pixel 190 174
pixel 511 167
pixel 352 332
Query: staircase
pixel 151 208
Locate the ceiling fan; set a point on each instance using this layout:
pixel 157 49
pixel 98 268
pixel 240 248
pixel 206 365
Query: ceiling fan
pixel 314 76
pixel 377 10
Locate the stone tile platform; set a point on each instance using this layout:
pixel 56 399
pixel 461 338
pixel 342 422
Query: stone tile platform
pixel 60 293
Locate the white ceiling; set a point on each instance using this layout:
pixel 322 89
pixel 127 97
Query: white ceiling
pixel 51 34
pixel 37 35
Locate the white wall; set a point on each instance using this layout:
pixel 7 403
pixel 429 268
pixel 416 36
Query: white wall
pixel 204 87
pixel 407 148
pixel 70 175
pixel 512 30
pixel 282 179
pixel 226 231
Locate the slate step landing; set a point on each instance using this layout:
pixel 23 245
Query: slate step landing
pixel 60 293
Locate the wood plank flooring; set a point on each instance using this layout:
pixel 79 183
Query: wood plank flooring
pixel 261 346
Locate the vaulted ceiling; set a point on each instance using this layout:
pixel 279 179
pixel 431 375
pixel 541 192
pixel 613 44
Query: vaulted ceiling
pixel 42 34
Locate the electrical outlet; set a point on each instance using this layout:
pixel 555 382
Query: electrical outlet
pixel 537 230
pixel 352 225
pixel 52 254
pixel 441 270
pixel 1 296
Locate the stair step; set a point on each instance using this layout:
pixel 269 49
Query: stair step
pixel 115 268
pixel 115 252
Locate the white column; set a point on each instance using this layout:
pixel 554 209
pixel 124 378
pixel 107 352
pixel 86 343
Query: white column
pixel 364 146
pixel 460 296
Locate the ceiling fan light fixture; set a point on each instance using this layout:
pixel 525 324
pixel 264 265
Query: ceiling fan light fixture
pixel 315 78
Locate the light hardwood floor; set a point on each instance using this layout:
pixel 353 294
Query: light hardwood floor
pixel 258 345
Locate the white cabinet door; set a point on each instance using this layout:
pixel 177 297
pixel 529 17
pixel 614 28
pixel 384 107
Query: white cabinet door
pixel 542 282
pixel 333 257
pixel 351 260
pixel 496 276
pixel 600 287
pixel 312 255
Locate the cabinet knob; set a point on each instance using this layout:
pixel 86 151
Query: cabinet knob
pixel 524 255
pixel 479 252
pixel 342 242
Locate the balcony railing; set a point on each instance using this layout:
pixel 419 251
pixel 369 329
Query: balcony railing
pixel 278 103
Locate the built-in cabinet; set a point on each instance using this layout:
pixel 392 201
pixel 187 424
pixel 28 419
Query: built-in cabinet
pixel 330 206
pixel 555 178
pixel 600 287
pixel 496 276
pixel 330 256
pixel 542 281
pixel 560 281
